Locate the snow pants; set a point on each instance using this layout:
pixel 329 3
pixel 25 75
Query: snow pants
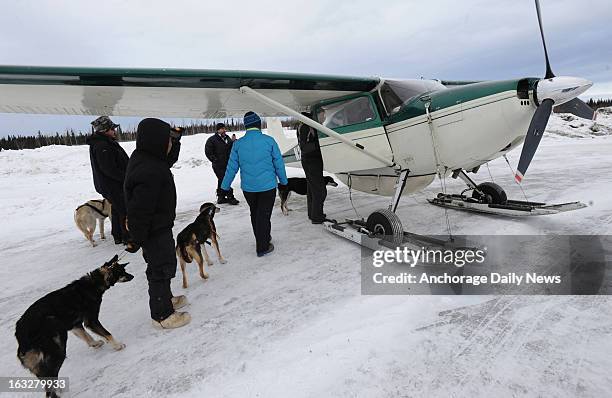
pixel 118 213
pixel 159 253
pixel 261 204
pixel 317 190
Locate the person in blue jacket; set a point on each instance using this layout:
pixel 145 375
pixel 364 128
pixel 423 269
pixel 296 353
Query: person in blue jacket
pixel 260 162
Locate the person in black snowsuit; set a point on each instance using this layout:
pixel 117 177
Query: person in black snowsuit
pixel 312 163
pixel 151 209
pixel 108 164
pixel 217 150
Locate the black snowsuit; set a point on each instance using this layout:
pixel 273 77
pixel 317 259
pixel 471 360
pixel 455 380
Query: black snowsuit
pixel 217 150
pixel 108 164
pixel 312 163
pixel 151 209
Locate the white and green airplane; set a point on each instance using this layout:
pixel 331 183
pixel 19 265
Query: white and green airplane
pixel 381 136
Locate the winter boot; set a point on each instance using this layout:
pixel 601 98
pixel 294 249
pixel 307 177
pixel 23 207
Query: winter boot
pixel 176 320
pixel 221 197
pixel 179 302
pixel 231 199
pixel 270 250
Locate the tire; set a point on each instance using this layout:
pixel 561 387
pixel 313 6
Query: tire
pixel 387 225
pixel 493 194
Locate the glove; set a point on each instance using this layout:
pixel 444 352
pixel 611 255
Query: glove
pixel 132 247
pixel 176 133
pixel 283 187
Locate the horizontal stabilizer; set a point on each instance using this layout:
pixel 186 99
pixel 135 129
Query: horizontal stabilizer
pixel 275 129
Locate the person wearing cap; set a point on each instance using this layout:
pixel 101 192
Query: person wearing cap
pixel 151 209
pixel 217 150
pixel 312 163
pixel 260 162
pixel 108 164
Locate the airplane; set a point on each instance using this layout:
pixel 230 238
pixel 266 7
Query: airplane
pixel 387 137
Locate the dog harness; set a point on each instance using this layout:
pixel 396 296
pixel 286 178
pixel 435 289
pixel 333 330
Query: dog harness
pixel 93 207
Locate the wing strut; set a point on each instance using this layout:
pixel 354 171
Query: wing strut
pixel 315 125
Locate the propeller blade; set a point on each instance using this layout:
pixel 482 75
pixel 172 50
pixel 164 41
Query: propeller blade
pixel 534 135
pixel 577 107
pixel 549 72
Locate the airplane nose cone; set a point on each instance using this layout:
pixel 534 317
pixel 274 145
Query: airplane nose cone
pixel 562 89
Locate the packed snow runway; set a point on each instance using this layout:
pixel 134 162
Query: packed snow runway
pixel 294 323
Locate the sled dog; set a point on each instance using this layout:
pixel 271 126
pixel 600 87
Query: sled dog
pixel 299 186
pixel 42 331
pixel 190 241
pixel 86 215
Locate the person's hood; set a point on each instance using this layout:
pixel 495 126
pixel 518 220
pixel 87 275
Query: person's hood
pixel 91 139
pixel 152 137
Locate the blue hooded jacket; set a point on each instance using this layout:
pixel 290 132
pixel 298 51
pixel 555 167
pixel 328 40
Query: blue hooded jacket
pixel 259 160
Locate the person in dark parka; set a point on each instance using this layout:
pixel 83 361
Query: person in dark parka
pixel 217 149
pixel 151 209
pixel 312 163
pixel 108 164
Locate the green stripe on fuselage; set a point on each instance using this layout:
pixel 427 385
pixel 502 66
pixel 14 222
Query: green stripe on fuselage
pixel 446 98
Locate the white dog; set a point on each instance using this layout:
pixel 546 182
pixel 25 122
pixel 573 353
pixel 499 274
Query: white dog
pixel 85 217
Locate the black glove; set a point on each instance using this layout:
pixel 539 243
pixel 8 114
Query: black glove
pixel 283 187
pixel 176 133
pixel 132 247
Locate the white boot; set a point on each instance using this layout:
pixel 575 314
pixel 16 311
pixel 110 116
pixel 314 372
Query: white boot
pixel 179 302
pixel 176 320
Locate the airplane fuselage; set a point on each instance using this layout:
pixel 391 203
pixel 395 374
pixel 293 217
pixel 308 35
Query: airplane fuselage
pixel 434 132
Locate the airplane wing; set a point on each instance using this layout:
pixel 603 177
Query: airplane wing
pixel 188 93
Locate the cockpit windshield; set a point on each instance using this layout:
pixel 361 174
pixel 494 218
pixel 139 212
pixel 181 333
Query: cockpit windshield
pixel 395 93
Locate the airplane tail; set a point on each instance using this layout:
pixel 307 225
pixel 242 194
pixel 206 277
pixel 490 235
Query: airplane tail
pixel 275 130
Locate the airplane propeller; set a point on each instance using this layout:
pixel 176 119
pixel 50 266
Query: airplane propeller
pixel 534 135
pixel 550 91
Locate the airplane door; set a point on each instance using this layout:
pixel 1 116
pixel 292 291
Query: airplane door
pixel 357 118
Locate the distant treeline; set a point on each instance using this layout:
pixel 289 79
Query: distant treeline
pixel 70 137
pixel 600 103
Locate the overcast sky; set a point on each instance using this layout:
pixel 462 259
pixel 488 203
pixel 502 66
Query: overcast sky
pixel 446 39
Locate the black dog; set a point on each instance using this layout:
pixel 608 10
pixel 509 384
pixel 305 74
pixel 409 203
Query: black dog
pixel 190 241
pixel 42 330
pixel 299 186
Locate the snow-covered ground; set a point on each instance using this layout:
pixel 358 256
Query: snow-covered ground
pixel 294 324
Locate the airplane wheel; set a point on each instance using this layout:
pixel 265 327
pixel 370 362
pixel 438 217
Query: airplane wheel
pixel 493 193
pixel 387 225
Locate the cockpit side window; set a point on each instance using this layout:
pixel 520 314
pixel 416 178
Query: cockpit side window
pixel 344 113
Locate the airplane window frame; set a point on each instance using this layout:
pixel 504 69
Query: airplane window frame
pixel 374 117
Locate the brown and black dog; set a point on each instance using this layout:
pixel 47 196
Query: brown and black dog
pixel 42 331
pixel 190 241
